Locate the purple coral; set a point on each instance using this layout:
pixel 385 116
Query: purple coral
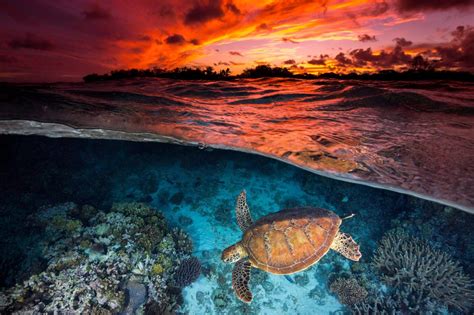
pixel 188 271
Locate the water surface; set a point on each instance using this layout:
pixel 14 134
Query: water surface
pixel 415 137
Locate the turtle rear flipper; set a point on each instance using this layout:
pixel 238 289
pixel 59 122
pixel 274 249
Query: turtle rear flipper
pixel 240 280
pixel 346 246
pixel 242 212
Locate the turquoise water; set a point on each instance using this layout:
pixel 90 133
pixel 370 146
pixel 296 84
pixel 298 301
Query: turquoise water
pixel 196 191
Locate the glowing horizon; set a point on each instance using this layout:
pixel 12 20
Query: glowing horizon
pixel 63 41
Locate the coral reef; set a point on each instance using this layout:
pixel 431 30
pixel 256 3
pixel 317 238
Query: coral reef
pixel 377 304
pixel 101 262
pixel 188 271
pixel 421 276
pixel 348 291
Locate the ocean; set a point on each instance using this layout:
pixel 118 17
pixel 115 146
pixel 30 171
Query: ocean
pixel 120 196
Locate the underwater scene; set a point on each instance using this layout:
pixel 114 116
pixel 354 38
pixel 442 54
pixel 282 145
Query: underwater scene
pixel 90 226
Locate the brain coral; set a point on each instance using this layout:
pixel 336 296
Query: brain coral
pixel 348 291
pixel 422 275
pixel 188 271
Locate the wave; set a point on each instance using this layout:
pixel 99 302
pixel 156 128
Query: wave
pixel 416 138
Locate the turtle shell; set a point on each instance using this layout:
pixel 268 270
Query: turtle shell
pixel 290 240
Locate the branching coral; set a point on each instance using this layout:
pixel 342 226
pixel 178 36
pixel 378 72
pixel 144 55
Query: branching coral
pixel 420 274
pixel 188 271
pixel 348 291
pixel 376 304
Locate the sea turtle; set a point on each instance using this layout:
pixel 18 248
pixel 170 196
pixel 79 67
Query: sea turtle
pixel 284 242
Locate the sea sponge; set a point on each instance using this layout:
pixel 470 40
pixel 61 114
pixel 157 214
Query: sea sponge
pixel 348 291
pixel 157 269
pixel 188 271
pixel 420 274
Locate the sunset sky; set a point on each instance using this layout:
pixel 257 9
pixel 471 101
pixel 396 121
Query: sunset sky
pixel 63 40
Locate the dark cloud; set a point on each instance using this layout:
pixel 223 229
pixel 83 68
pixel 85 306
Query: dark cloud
pixel 96 12
pixel 203 12
pixel 176 39
pixel 321 61
pixel 236 63
pixel 235 53
pixel 221 63
pixel 289 62
pixel 166 12
pixel 342 59
pixel 194 41
pixel 425 5
pixel 144 38
pixel 456 54
pixel 378 8
pixel 289 40
pixel 367 38
pixel 263 27
pixel 136 50
pixel 459 53
pixel 402 42
pixel 233 8
pixel 364 57
pixel 30 41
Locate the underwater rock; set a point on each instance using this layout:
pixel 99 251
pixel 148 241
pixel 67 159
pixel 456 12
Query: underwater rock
pixel 177 198
pixel 268 286
pixel 184 220
pixel 221 298
pixel 87 264
pixel 302 279
pixel 318 294
pixel 135 296
pixel 421 276
pixel 149 184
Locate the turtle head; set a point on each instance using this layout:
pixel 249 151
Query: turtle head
pixel 233 253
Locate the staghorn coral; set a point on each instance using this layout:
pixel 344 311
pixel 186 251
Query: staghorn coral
pixel 420 275
pixel 376 304
pixel 86 269
pixel 348 291
pixel 188 271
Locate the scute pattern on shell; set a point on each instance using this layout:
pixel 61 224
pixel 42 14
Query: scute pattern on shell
pixel 290 240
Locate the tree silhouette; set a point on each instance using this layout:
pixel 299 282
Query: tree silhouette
pixel 421 64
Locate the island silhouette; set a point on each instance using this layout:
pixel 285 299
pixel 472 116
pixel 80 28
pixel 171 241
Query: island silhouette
pixel 420 69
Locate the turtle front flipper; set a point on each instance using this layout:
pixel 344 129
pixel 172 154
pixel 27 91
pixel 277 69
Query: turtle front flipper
pixel 346 246
pixel 242 212
pixel 240 280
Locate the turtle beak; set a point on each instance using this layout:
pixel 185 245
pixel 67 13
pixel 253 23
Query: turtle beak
pixel 230 254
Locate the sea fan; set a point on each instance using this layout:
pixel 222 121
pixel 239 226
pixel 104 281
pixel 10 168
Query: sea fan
pixel 188 271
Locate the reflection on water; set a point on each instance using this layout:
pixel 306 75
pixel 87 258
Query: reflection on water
pixel 418 137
